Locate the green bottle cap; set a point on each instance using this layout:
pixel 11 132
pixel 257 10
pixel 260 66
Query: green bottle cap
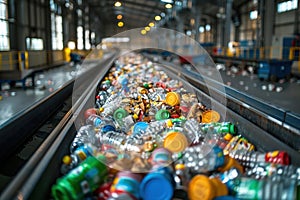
pixel 63 190
pixel 120 113
pixel 162 114
pixel 232 129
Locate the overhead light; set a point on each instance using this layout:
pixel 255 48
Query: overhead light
pixel 168 6
pixel 167 1
pixel 143 32
pixel 118 4
pixel 201 29
pixel 162 14
pixel 147 28
pixel 119 17
pixel 71 45
pixel 207 27
pixel 120 24
pixel 151 24
pixel 157 17
pixel 189 33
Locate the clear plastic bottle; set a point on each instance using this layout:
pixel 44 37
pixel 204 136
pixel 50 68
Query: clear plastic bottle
pixel 85 135
pixel 203 158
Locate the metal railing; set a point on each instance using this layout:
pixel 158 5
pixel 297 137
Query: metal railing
pixel 22 60
pixel 274 52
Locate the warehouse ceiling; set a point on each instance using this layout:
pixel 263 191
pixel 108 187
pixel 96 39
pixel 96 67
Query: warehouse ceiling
pixel 139 13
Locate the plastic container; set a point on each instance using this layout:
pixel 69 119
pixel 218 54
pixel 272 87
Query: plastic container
pixel 82 180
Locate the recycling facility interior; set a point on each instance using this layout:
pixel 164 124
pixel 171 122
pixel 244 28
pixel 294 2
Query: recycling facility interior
pixel 254 44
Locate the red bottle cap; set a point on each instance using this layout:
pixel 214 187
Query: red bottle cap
pixel 277 157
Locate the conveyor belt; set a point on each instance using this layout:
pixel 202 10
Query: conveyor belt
pixel 39 174
pixel 33 124
pixel 272 121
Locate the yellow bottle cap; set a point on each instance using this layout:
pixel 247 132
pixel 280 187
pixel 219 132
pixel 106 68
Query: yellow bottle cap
pixel 220 188
pixel 228 137
pixel 175 142
pixel 67 159
pixel 169 123
pixel 210 116
pixel 173 99
pixel 135 116
pixel 101 109
pixel 200 187
pixel 179 166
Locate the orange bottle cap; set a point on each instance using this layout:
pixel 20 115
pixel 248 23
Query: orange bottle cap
pixel 175 142
pixel 173 99
pixel 229 163
pixel 210 116
pixel 200 187
pixel 228 137
pixel 220 188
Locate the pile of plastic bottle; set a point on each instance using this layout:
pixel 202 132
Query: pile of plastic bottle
pixel 148 137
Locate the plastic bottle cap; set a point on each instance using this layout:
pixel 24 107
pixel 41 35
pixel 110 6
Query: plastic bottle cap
pixel 232 129
pixel 173 99
pixel 135 116
pixel 220 188
pixel 210 116
pixel 169 123
pixel 200 187
pixel 227 137
pixel 156 186
pixel 175 142
pixel 139 127
pixel 67 159
pixel 179 167
pixel 120 113
pixel 229 163
pixel 63 190
pixel 162 114
pixel 81 155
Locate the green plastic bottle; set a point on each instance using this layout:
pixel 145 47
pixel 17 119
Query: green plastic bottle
pixel 84 179
pixel 223 127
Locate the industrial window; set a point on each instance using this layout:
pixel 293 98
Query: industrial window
pixel 56 26
pixel 79 37
pixel 34 44
pixel 253 14
pixel 87 40
pixel 4 30
pixel 287 6
pixel 57 32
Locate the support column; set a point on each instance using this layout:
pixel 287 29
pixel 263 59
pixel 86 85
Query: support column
pixel 20 24
pixel 12 25
pixel 268 23
pixel 227 30
pixel 48 35
pixel 297 13
pixel 260 24
pixel 197 24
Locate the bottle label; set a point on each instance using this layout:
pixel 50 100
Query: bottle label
pixel 248 189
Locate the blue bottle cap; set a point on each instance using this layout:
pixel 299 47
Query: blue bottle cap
pixel 156 186
pixel 225 198
pixel 107 128
pixel 139 127
pixel 97 122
